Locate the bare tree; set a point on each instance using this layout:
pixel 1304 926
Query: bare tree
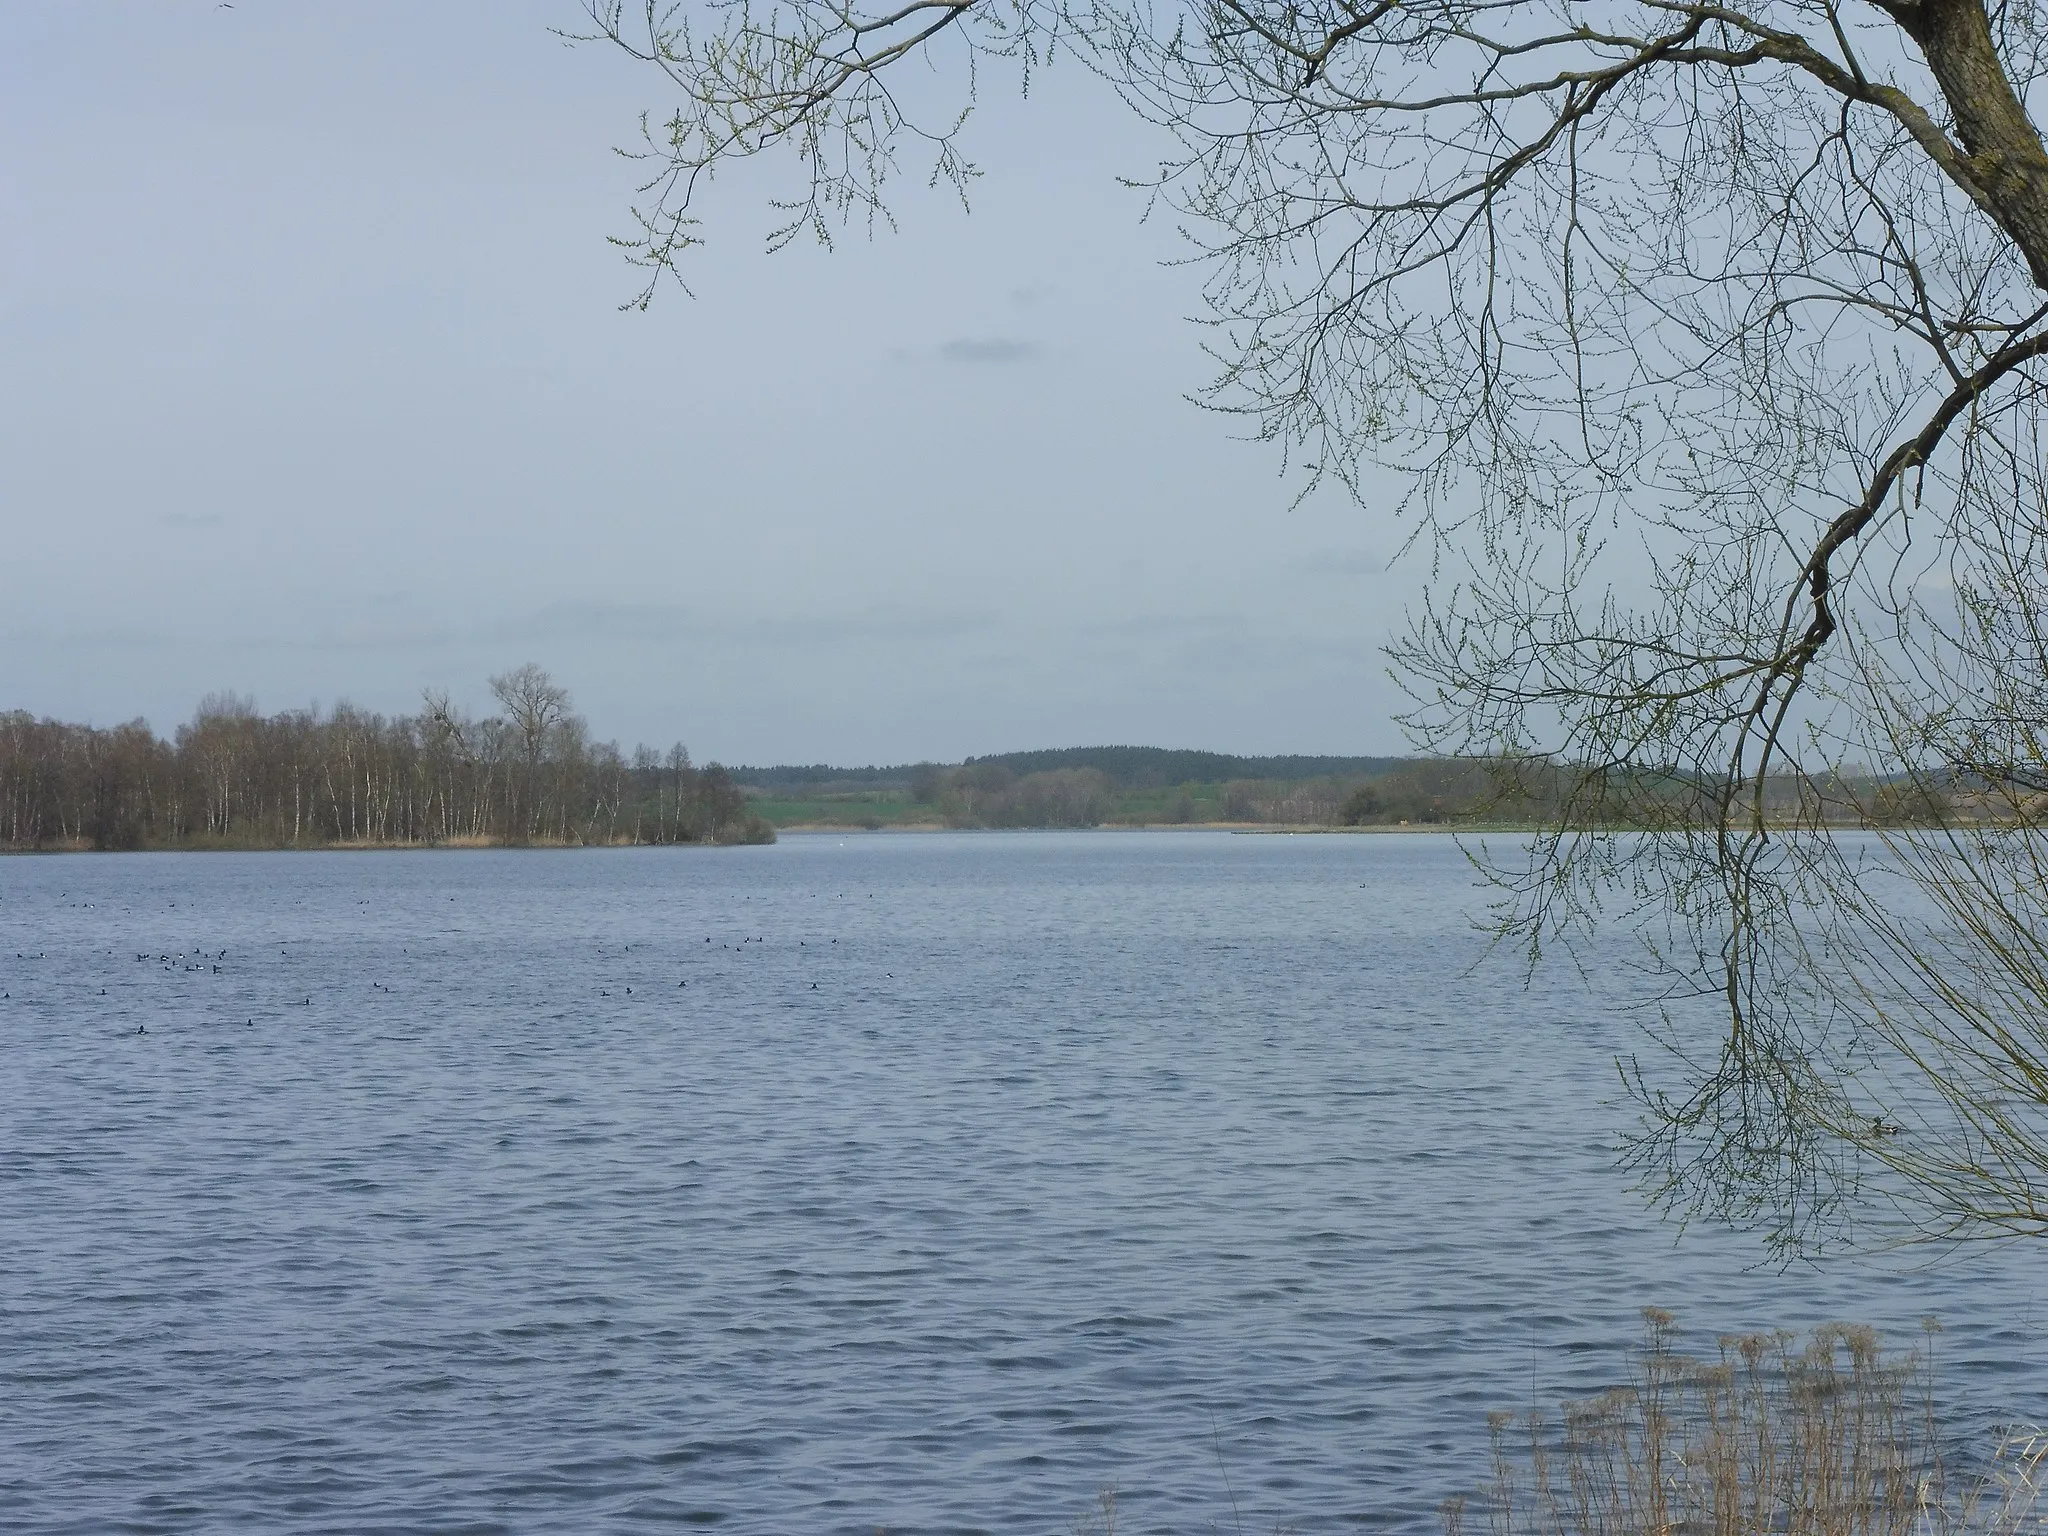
pixel 1702 340
pixel 534 702
pixel 536 705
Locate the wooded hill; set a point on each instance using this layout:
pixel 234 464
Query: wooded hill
pixel 1124 767
pixel 1159 767
pixel 1134 786
pixel 1091 786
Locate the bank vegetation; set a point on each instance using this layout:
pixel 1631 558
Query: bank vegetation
pixel 1832 1437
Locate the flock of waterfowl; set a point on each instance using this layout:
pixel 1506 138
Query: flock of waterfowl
pixel 211 961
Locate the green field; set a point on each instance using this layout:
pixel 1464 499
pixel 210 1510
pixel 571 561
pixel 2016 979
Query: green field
pixel 869 809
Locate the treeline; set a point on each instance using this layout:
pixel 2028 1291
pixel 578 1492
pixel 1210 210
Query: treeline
pixel 1126 768
pixel 233 778
pixel 1437 791
pixel 988 792
pixel 1165 767
pixel 1422 792
pixel 990 795
pixel 1530 792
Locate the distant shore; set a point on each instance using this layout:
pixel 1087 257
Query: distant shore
pixel 347 781
pixel 806 829
pixel 449 845
pixel 1249 828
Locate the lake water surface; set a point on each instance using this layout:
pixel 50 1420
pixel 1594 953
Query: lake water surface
pixel 917 1182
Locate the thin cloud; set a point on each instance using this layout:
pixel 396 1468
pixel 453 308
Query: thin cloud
pixel 1169 624
pixel 991 349
pixel 667 622
pixel 1343 562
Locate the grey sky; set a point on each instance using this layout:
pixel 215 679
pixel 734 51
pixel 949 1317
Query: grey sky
pixel 316 387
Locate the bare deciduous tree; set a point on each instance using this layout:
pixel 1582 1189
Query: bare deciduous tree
pixel 534 702
pixel 536 706
pixel 1700 342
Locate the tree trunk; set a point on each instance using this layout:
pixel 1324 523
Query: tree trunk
pixel 2006 155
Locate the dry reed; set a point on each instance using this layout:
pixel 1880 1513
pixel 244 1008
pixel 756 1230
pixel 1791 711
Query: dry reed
pixel 1828 1438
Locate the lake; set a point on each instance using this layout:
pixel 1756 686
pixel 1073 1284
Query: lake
pixel 924 1182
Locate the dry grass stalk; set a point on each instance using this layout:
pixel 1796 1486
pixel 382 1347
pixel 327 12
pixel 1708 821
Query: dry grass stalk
pixel 1829 1438
pixel 1100 1521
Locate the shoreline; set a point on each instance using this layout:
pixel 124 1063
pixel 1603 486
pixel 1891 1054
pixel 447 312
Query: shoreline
pixel 453 845
pixel 1249 828
pixel 799 829
pixel 843 829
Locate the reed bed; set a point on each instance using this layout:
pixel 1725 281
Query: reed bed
pixel 1825 1437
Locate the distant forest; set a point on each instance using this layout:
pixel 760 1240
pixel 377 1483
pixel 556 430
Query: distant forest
pixel 1125 768
pixel 1136 786
pixel 1149 786
pixel 233 778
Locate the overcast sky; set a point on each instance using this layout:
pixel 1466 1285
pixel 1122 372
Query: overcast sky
pixel 316 387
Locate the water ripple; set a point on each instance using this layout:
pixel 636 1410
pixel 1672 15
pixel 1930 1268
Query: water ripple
pixel 919 1183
